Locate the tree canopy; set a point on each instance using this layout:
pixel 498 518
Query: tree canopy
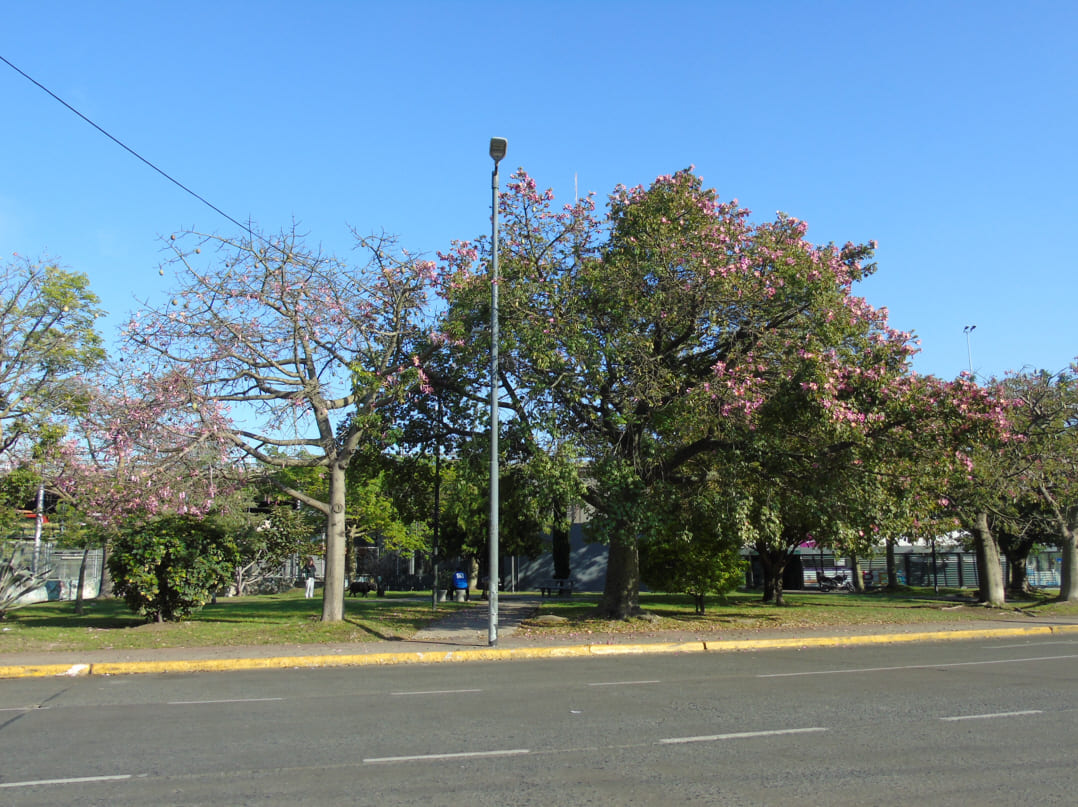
pixel 48 339
pixel 290 355
pixel 657 335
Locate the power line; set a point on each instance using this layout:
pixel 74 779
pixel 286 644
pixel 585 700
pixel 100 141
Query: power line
pixel 128 149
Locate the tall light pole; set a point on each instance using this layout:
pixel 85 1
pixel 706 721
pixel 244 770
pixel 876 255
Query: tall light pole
pixel 498 146
pixel 437 501
pixel 969 350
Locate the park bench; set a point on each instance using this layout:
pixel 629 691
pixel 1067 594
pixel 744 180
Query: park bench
pixel 563 588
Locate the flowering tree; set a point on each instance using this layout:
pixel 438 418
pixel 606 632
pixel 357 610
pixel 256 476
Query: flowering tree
pixel 304 350
pixel 655 336
pixel 1039 469
pixel 138 449
pixel 134 450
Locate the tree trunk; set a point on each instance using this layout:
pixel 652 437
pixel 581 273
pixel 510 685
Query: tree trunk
pixel 855 570
pixel 562 552
pixel 892 566
pixel 773 562
pixel 989 569
pixel 242 581
pixel 333 591
pixel 104 586
pixel 1068 536
pixel 621 594
pixel 1017 575
pixel 1015 547
pixel 472 564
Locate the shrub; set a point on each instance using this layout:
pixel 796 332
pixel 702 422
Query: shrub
pixel 169 567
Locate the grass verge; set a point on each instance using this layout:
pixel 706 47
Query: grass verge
pixel 289 619
pixel 744 613
pixel 283 619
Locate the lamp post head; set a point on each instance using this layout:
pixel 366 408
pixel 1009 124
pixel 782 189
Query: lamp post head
pixel 498 146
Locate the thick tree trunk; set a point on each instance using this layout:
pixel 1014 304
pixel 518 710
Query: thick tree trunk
pixel 562 552
pixel 1015 547
pixel 1068 536
pixel 333 591
pixel 989 570
pixel 621 594
pixel 472 565
pixel 773 562
pixel 1017 575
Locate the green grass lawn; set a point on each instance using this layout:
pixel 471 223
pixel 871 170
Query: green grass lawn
pixel 266 619
pixel 289 619
pixel 745 613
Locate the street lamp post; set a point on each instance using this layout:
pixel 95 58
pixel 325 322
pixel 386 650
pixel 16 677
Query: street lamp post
pixel 497 152
pixel 437 501
pixel 969 350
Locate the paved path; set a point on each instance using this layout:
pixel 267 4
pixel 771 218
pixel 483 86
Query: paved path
pixel 471 626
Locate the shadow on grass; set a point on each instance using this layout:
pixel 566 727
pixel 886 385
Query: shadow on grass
pixel 109 614
pixel 98 615
pixel 746 609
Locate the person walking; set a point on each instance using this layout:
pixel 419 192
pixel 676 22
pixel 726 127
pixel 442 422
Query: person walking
pixel 308 574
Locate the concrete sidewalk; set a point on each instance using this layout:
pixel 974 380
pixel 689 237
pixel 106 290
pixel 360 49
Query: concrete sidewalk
pixel 463 636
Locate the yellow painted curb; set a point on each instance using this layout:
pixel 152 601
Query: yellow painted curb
pixel 44 670
pixel 658 647
pixel 500 654
pixel 886 638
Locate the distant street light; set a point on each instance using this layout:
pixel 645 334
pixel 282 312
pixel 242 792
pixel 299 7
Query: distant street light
pixel 969 351
pixel 498 147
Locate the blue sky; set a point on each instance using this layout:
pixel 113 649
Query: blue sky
pixel 947 131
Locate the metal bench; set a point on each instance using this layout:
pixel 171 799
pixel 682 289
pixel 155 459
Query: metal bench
pixel 563 588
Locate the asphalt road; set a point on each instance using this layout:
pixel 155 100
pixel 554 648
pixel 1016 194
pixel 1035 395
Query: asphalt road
pixel 986 722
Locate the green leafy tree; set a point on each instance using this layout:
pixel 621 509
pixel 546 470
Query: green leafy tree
pixel 532 493
pixel 373 518
pixel 267 530
pixel 652 337
pixel 169 567
pixel 1042 464
pixel 47 339
pixel 18 487
pixel 691 548
pixel 1027 527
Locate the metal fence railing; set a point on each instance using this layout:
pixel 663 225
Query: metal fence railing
pixel 62 566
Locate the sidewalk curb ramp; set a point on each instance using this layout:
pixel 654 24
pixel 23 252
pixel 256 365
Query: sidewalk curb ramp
pixel 510 654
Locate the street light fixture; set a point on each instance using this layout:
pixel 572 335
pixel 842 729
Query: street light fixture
pixel 969 351
pixel 498 146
